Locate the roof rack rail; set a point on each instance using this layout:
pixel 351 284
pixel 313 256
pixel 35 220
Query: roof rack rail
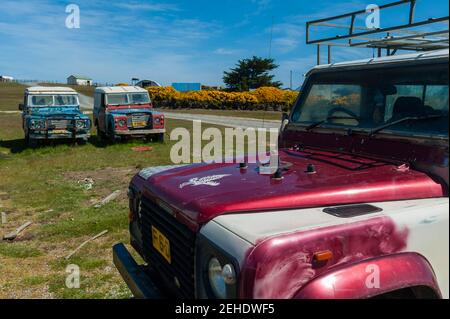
pixel 425 35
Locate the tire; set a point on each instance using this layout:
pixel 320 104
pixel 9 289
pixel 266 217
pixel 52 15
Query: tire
pixel 33 143
pixel 160 137
pixel 110 135
pixel 113 138
pixel 101 135
pixel 82 141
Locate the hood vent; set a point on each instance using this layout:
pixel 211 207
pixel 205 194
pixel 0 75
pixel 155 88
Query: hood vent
pixel 352 210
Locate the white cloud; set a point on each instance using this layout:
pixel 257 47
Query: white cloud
pixel 107 47
pixel 290 33
pixel 287 37
pixel 155 7
pixel 299 66
pixel 224 51
pixel 261 5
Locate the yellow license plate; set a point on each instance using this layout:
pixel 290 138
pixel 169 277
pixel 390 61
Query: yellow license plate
pixel 161 244
pixel 139 124
pixel 59 132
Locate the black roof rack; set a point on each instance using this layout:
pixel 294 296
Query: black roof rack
pixel 425 35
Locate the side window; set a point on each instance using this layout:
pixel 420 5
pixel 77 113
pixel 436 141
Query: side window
pixel 432 96
pixel 402 91
pixel 436 97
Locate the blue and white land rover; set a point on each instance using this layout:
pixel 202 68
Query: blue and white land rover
pixel 53 113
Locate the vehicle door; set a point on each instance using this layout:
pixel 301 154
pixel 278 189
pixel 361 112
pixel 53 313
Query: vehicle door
pixel 102 112
pixel 25 111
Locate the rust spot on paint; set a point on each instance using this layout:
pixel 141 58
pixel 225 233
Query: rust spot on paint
pixel 281 266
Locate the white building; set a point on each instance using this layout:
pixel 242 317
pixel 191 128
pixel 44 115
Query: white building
pixel 79 80
pixel 4 78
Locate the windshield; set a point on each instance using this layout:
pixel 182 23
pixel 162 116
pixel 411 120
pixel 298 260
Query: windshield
pixel 128 99
pixel 369 99
pixel 53 100
pixel 139 98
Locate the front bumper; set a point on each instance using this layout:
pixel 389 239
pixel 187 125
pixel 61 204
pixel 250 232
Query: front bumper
pixel 44 135
pixel 139 132
pixel 136 277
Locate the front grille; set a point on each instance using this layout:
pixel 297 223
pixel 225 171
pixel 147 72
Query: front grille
pixel 59 124
pixel 178 276
pixel 136 120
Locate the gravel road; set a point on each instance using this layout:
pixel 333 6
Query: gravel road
pixel 229 121
pixel 86 102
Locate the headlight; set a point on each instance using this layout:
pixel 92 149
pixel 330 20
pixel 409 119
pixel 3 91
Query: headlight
pixel 157 120
pixel 122 122
pixel 215 279
pixel 220 277
pixel 82 124
pixel 37 124
pixel 228 274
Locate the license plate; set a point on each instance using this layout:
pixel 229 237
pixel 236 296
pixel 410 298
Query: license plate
pixel 161 244
pixel 139 124
pixel 59 132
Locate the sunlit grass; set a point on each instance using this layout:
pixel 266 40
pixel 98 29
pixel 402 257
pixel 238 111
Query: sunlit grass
pixel 42 185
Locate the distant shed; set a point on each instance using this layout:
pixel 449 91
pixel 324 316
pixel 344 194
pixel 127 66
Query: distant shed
pixel 5 78
pixel 79 80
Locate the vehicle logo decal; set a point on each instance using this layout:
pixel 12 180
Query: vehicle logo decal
pixel 208 181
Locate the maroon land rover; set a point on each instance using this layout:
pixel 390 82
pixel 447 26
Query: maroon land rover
pixel 361 211
pixel 359 207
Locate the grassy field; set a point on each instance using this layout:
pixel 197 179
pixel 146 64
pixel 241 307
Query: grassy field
pixel 46 186
pixel 269 115
pixel 11 94
pixel 83 89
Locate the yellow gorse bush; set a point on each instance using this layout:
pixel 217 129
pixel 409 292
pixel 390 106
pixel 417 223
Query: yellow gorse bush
pixel 265 98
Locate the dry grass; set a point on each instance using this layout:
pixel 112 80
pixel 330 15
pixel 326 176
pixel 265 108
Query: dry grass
pixel 11 94
pixel 83 89
pixel 41 186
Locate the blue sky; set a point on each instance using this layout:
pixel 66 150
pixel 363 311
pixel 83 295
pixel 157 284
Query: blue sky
pixel 168 41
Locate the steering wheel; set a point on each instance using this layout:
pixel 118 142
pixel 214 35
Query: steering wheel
pixel 351 114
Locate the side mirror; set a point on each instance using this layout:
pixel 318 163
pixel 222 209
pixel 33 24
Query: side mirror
pixel 284 121
pixel 21 107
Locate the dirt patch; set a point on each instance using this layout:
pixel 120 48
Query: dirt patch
pixel 4 196
pixel 109 174
pixel 104 180
pixel 25 237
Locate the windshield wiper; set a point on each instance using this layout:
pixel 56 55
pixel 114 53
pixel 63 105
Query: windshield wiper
pixel 314 125
pixel 405 119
